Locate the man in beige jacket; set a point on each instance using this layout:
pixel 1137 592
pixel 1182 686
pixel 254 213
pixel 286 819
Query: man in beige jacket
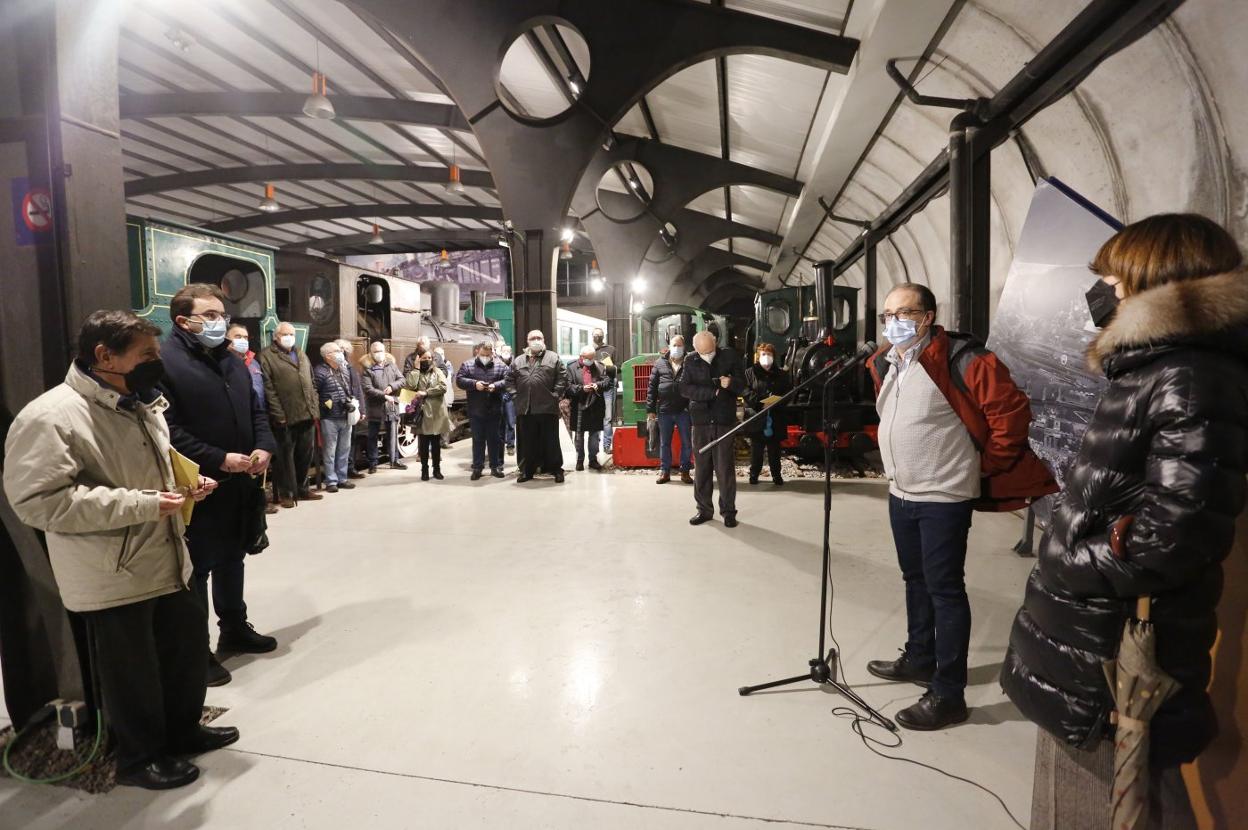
pixel 88 464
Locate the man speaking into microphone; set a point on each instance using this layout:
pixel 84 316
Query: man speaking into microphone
pixel 953 439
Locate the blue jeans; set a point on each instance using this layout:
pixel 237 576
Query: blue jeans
pixel 608 420
pixel 486 432
pixel 931 549
pixel 509 420
pixel 336 437
pixel 678 421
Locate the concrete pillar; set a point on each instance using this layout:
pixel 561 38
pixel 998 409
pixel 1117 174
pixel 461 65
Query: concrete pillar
pixel 618 315
pixel 60 147
pixel 533 273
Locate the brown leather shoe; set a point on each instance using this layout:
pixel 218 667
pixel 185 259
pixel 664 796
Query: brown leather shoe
pixel 310 495
pixel 287 501
pixel 685 478
pixel 664 478
pixel 270 509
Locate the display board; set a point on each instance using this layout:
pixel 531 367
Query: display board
pixel 486 269
pixel 1042 326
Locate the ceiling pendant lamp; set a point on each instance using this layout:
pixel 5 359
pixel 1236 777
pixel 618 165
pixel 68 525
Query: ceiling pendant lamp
pixel 269 203
pixel 453 183
pixel 377 238
pixel 565 250
pixel 594 270
pixel 317 105
pixel 444 257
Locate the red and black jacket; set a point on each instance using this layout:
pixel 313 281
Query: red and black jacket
pixel 996 413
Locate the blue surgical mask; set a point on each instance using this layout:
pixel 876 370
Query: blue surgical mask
pixel 240 345
pixel 900 332
pixel 213 333
pixel 677 352
pixel 341 358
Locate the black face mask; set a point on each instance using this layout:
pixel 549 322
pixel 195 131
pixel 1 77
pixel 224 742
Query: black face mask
pixel 1102 303
pixel 425 365
pixel 142 378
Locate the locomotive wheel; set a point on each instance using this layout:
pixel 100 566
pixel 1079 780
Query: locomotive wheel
pixel 408 445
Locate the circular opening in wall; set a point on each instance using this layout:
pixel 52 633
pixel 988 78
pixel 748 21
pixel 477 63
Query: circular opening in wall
pixel 544 71
pixel 625 191
pixel 663 247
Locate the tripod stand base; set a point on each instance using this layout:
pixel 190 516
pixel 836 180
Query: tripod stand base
pixel 823 672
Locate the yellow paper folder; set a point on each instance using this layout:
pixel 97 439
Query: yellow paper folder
pixel 186 477
pixel 406 396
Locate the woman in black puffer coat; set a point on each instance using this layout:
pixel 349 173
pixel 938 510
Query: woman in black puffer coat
pixel 1149 507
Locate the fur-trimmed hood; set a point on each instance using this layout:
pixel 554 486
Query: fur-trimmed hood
pixel 367 360
pixel 1194 310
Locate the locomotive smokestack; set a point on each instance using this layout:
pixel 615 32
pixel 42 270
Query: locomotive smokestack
pixel 477 304
pixel 825 308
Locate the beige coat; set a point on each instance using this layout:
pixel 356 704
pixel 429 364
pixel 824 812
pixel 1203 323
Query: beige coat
pixel 433 383
pixel 88 473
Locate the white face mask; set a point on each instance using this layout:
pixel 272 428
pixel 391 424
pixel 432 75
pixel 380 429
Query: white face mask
pixel 379 358
pixel 764 361
pixel 240 345
pixel 286 341
pixel 708 357
pixel 537 346
pixel 677 352
pixel 485 359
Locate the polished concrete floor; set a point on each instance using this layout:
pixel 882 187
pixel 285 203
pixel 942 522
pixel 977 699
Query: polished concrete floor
pixel 457 654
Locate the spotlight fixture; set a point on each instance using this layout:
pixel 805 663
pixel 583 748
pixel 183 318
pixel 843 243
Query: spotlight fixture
pixel 639 307
pixel 567 235
pixel 594 270
pixel 269 203
pixel 453 183
pixel 565 250
pixel 317 105
pixel 639 284
pixel 377 238
pixel 574 85
pixel 502 241
pixel 596 285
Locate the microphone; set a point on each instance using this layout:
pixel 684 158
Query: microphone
pixel 864 351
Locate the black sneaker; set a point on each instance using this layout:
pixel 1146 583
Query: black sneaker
pixel 331 488
pixel 244 639
pixel 497 472
pixel 476 475
pixel 345 485
pixel 700 518
pixel 902 670
pixel 397 465
pixel 580 466
pixel 559 477
pixel 933 712
pixel 730 520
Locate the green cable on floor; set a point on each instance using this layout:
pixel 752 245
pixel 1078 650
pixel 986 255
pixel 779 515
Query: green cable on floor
pixel 8 767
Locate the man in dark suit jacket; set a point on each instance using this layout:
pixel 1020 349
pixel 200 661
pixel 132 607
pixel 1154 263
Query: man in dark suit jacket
pixel 712 381
pixel 216 420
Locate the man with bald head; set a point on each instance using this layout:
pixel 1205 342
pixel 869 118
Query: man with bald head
pixel 712 380
pixel 537 380
pixel 293 413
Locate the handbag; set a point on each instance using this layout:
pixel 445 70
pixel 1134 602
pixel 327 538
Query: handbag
pixel 413 416
pixel 353 412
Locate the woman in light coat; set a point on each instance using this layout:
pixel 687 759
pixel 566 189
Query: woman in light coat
pixel 430 386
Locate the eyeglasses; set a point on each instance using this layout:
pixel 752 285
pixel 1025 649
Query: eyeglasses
pixel 214 316
pixel 906 312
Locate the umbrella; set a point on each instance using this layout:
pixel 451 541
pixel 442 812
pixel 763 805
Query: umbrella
pixel 1139 688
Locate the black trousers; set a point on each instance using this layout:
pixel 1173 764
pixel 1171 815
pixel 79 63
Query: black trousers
pixel 760 444
pixel 150 658
pixel 538 443
pixel 722 463
pixel 295 445
pixel 430 445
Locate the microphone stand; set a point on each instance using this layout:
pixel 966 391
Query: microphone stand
pixel 823 665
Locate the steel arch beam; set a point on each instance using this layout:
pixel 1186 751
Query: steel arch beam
pixel 283 217
pixel 418 240
pixel 278 104
pixel 422 173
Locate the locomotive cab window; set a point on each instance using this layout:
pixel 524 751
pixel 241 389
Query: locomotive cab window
pixel 240 280
pixel 372 315
pixel 779 317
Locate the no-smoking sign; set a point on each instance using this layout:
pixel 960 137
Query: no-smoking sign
pixel 32 212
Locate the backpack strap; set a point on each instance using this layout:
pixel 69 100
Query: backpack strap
pixel 963 350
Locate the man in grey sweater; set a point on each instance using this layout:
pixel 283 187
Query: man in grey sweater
pixel 953 438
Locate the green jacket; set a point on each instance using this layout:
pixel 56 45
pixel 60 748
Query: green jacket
pixel 289 389
pixel 433 383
